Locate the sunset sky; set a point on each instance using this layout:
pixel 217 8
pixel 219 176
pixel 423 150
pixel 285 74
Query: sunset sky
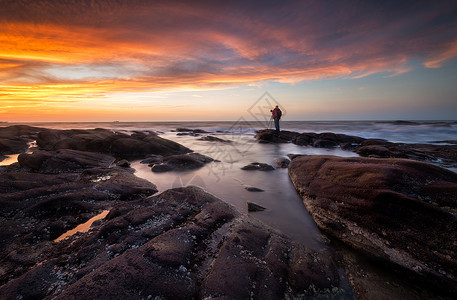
pixel 129 60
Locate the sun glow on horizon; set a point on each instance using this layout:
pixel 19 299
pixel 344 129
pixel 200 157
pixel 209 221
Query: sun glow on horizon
pixel 123 60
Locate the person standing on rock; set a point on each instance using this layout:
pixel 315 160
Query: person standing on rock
pixel 276 114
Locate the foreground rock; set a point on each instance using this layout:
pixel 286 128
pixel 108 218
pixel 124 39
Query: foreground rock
pixel 36 208
pixel 183 243
pixel 399 211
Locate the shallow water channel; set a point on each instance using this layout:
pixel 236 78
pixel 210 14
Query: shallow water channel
pixel 224 178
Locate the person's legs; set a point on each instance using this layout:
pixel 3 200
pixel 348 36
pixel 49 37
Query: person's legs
pixel 277 124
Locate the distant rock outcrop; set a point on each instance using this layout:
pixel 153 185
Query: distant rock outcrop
pixel 444 155
pixel 120 145
pixel 14 139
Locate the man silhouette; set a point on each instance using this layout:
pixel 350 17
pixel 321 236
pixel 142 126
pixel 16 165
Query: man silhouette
pixel 276 116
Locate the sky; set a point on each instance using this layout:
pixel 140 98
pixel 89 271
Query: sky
pixel 131 60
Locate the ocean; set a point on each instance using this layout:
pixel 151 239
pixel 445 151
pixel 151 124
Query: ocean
pixel 225 179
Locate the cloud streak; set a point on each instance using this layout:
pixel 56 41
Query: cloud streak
pixel 57 49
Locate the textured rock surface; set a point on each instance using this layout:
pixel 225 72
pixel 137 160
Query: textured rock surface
pixel 183 243
pixel 179 162
pixel 443 155
pixel 15 139
pixel 258 166
pixel 64 160
pixel 120 145
pixel 282 162
pixel 210 138
pixel 397 210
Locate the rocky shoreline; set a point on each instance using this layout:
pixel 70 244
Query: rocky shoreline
pixel 186 243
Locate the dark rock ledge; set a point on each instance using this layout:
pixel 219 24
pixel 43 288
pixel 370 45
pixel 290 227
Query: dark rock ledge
pixel 183 243
pixel 443 155
pixel 401 212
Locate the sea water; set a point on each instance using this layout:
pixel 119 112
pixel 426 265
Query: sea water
pixel 225 179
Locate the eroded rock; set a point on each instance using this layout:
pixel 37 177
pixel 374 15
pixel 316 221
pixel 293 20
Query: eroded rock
pixel 120 145
pixel 180 162
pixel 65 160
pixel 258 166
pixel 401 211
pixel 183 243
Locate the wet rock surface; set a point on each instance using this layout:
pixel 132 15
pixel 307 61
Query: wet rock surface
pixel 63 161
pixel 189 131
pixel 256 166
pixel 180 162
pixel 15 139
pixel 183 243
pixel 120 145
pixel 282 162
pixel 401 212
pixel 443 155
pixel 210 138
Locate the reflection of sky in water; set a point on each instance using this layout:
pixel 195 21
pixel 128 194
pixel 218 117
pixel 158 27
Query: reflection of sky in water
pixel 10 159
pixel 225 179
pixel 82 227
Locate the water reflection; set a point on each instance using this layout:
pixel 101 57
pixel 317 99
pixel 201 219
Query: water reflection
pixel 82 227
pixel 10 159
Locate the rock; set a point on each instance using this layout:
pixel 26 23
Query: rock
pixel 181 243
pixel 152 159
pixel 36 208
pixel 258 166
pixel 282 162
pixel 17 131
pixel 322 143
pixel 64 160
pixel 305 139
pixel 374 150
pixel 15 139
pixel 347 146
pixel 397 210
pixel 160 168
pixel 120 145
pixel 273 136
pixel 294 156
pixel 181 162
pixel 12 146
pixel 123 163
pixel 188 131
pixel 211 138
pixel 253 189
pixel 321 140
pixel 445 155
pixel 255 207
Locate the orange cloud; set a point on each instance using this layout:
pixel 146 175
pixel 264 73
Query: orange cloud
pixel 57 52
